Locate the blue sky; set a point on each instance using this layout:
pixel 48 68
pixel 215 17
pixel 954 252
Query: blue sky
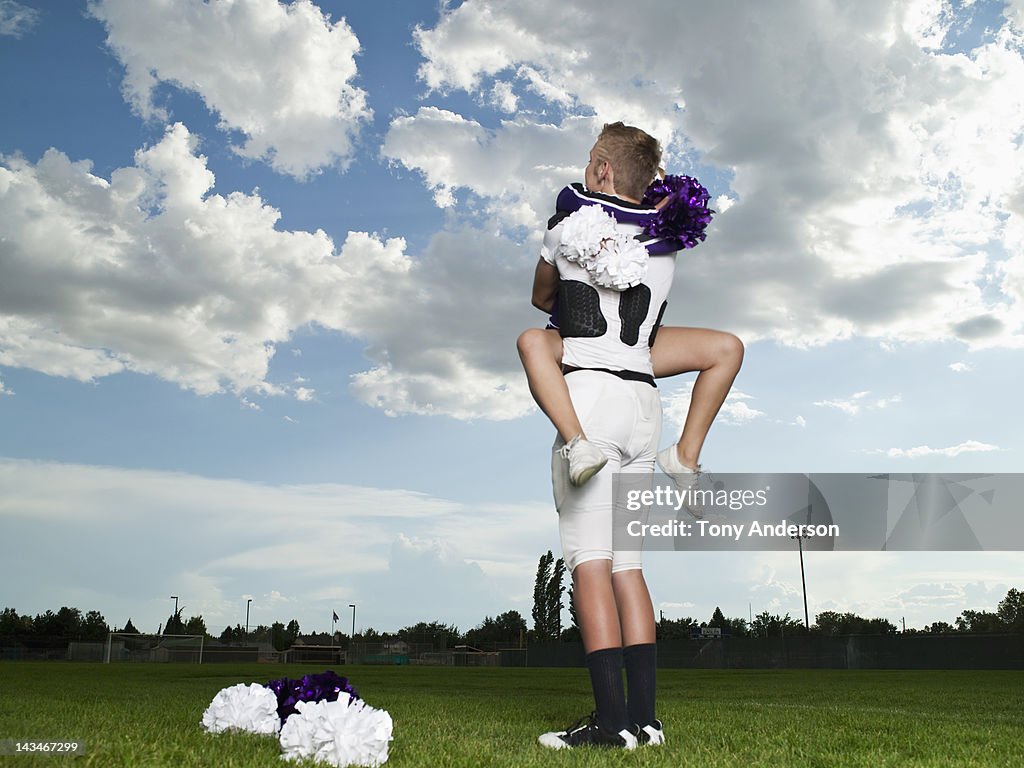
pixel 262 266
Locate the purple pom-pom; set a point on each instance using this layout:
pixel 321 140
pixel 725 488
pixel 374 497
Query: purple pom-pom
pixel 325 686
pixel 684 216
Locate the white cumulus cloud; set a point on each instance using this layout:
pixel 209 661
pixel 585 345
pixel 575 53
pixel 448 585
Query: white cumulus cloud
pixel 280 74
pixel 859 401
pixel 151 271
pixel 515 168
pixel 968 446
pixel 735 411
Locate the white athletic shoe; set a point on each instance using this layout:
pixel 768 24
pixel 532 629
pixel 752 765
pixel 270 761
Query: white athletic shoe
pixel 585 459
pixel 685 478
pixel 652 734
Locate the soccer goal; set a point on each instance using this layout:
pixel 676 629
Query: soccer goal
pixel 315 654
pixel 129 646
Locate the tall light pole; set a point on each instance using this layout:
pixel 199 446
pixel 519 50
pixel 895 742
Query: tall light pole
pixel 353 607
pixel 247 619
pixel 803 581
pixel 175 599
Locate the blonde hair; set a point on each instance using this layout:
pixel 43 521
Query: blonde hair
pixel 633 154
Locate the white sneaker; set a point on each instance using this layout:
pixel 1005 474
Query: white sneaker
pixel 652 734
pixel 585 459
pixel 686 479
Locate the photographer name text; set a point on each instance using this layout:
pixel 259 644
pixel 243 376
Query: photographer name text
pixel 734 531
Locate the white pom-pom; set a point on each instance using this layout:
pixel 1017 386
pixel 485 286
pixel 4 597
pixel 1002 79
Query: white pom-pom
pixel 613 259
pixel 583 233
pixel 338 733
pixel 241 707
pixel 620 264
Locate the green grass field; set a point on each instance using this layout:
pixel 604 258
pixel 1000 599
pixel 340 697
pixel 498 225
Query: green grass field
pixel 148 715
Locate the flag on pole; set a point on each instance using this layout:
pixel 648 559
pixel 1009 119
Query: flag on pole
pixel 335 615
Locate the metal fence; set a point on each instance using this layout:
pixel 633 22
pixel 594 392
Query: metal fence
pixel 913 651
pixel 959 651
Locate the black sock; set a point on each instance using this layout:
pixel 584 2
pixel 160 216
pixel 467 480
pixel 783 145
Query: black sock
pixel 609 694
pixel 641 676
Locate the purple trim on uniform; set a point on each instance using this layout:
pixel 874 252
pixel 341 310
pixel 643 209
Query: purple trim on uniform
pixel 575 196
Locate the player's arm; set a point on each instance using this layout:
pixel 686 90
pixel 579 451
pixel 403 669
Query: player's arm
pixel 545 285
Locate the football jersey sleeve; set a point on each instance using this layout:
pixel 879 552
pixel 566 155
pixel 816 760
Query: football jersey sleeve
pixel 552 239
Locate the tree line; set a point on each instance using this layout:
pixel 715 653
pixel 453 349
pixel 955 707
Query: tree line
pixel 547 612
pixel 505 629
